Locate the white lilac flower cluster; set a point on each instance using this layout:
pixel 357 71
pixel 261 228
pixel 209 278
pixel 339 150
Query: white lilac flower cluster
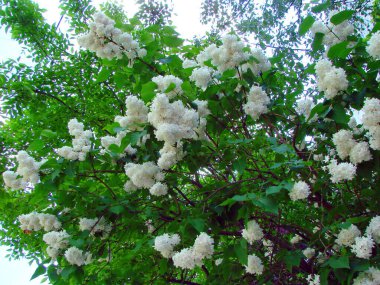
pixel 259 64
pixel 76 256
pixel 371 121
pixel 347 146
pixel 257 102
pixel 330 80
pixel 254 265
pixel 189 63
pixel 373 229
pixel 369 277
pixel 252 232
pixel 164 82
pixel 95 226
pixel 373 47
pixel 135 116
pixel 147 176
pixel 81 142
pixel 340 171
pixel 108 41
pixel 304 107
pixel 27 170
pixel 295 239
pixel 313 279
pixel 173 122
pixel 56 241
pixel 346 237
pixel 107 141
pixel 362 247
pixel 228 56
pixel 36 221
pixel 165 244
pixel 300 190
pixel 309 252
pixel 202 77
pixel 333 34
pixel 193 256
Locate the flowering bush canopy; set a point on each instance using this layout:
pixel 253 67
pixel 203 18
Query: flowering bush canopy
pixel 141 158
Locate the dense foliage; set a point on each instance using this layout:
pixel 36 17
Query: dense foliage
pixel 141 158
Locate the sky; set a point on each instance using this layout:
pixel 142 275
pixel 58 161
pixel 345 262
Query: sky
pixel 187 20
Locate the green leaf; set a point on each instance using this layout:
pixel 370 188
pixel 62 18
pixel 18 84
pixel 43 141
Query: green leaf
pixel 171 87
pixel 103 75
pixel 339 114
pixel 292 259
pixel 306 25
pixel 339 50
pixel 341 17
pixel 198 224
pixel 36 145
pixel 266 204
pixel 48 134
pixel 317 42
pixel 67 271
pixel 38 272
pixel 339 262
pixel 239 165
pixel 241 251
pixel 147 91
pixel 320 109
pixel 117 209
pixel 321 7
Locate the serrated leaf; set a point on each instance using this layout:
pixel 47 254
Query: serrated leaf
pixel 341 17
pixel 38 272
pixel 306 25
pixel 67 271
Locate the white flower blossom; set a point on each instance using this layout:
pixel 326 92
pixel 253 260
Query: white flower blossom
pixel 309 252
pixel 143 175
pixel 330 80
pixel 255 265
pixel 373 229
pixel 362 247
pixel 257 102
pixel 299 191
pixel 81 142
pixel 341 171
pixel 346 237
pixel 75 256
pixel 369 277
pixel 373 47
pixel 252 232
pixel 202 77
pixel 166 243
pixel 164 82
pixel 158 189
pixel 371 120
pixel 95 226
pixel 110 42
